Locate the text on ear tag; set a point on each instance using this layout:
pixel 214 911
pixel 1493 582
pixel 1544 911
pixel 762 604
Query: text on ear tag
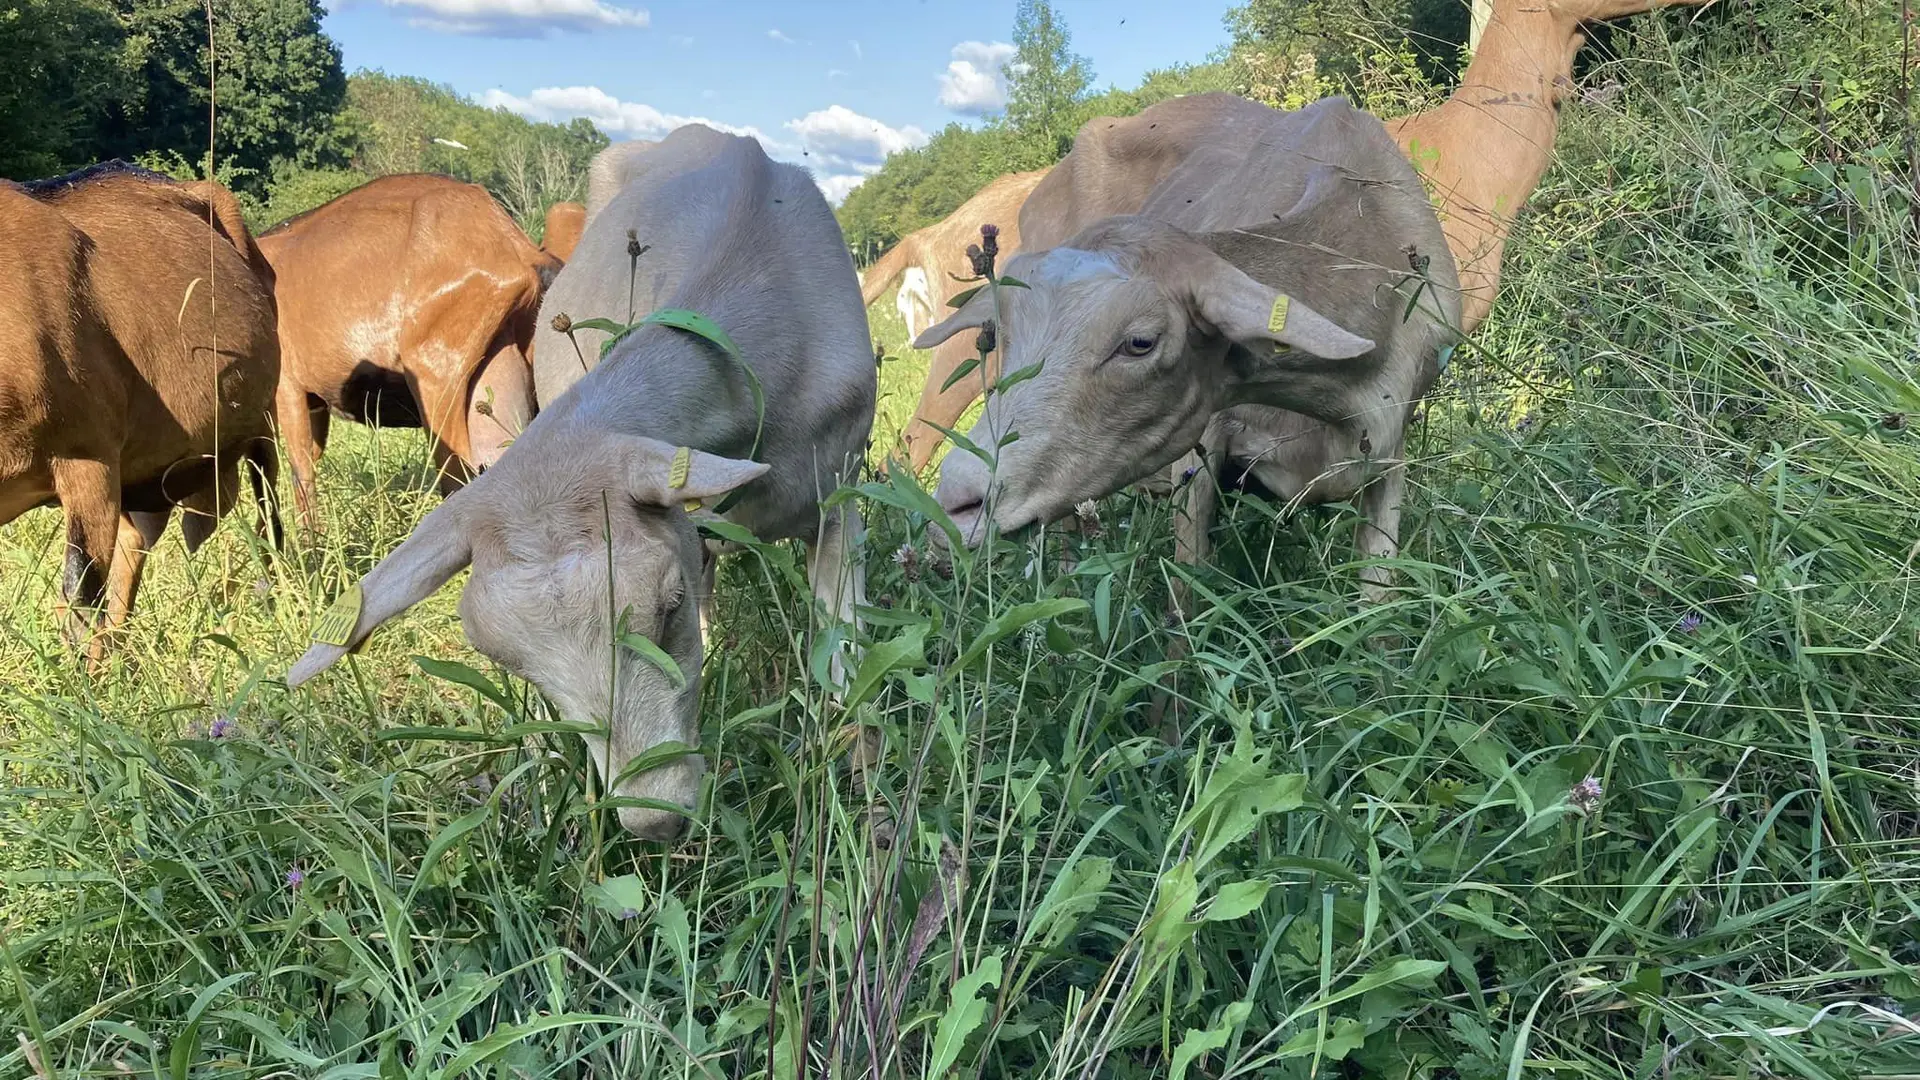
pixel 1277 321
pixel 677 472
pixel 677 475
pixel 335 626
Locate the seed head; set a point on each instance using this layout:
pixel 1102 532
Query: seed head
pixel 634 248
pixel 1585 796
pixel 563 323
pixel 981 261
pixel 990 240
pixel 986 341
pixel 907 558
pixel 1894 421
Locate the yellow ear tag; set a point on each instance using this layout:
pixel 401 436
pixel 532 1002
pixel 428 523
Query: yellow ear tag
pixel 677 472
pixel 1277 321
pixel 677 475
pixel 335 627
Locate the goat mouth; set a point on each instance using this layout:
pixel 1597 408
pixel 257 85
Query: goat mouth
pixel 970 518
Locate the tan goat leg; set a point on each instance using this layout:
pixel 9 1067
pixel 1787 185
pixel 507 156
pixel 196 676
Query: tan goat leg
pixel 89 493
pixel 305 438
pixel 137 534
pixel 1377 535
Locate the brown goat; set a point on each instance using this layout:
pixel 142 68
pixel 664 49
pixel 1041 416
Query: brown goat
pixel 137 369
pixel 565 222
pixel 930 260
pixel 407 302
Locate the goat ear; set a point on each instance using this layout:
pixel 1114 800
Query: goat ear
pixel 660 474
pixel 1260 317
pixel 974 314
pixel 439 547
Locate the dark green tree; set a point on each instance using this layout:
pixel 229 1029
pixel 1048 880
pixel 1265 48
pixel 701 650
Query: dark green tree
pixel 60 73
pixel 275 85
pixel 1343 34
pixel 1045 82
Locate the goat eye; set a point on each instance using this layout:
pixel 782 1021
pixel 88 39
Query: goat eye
pixel 1138 345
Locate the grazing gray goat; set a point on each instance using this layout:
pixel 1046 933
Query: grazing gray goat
pixel 1259 302
pixel 667 418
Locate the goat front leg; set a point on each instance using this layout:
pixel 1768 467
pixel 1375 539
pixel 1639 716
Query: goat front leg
pixel 1377 535
pixel 1192 544
pixel 839 578
pixel 1193 523
pixel 139 532
pixel 89 493
pixel 304 430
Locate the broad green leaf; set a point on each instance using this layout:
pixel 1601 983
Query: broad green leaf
pixel 1403 970
pixel 622 897
pixel 1199 1042
pixel 448 837
pixel 1012 621
pixel 649 759
pixel 1015 378
pixel 906 649
pixel 1344 1036
pixel 1485 922
pixel 670 921
pixel 655 655
pixel 965 1011
pixel 966 368
pixel 1237 900
pixel 959 299
pixel 455 672
pixel 185 1044
pixel 1169 926
pixel 1074 892
pixel 476 1053
pixel 271 1037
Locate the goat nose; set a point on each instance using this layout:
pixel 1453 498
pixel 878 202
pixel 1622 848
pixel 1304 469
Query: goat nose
pixel 649 824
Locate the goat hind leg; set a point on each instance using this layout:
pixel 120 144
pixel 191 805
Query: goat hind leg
pixel 89 493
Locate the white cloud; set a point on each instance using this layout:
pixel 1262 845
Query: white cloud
pixel 608 113
pixel 519 18
pixel 843 147
pixel 857 54
pixel 835 73
pixel 840 147
pixel 780 37
pixel 975 83
pixel 839 136
pixel 837 188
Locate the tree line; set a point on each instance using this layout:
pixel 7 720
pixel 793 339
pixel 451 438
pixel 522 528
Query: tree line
pixel 1392 56
pixel 88 80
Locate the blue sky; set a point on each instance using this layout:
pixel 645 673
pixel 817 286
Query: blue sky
pixel 833 84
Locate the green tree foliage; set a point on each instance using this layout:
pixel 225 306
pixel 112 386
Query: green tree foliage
pixel 1045 82
pixel 1345 46
pixel 275 86
pixel 918 187
pixel 56 82
pixel 405 124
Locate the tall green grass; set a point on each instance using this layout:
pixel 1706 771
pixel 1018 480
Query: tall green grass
pixel 1662 536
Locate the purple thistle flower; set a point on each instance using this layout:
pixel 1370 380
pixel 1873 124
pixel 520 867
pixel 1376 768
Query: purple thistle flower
pixel 1585 795
pixel 296 877
pixel 223 727
pixel 1690 622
